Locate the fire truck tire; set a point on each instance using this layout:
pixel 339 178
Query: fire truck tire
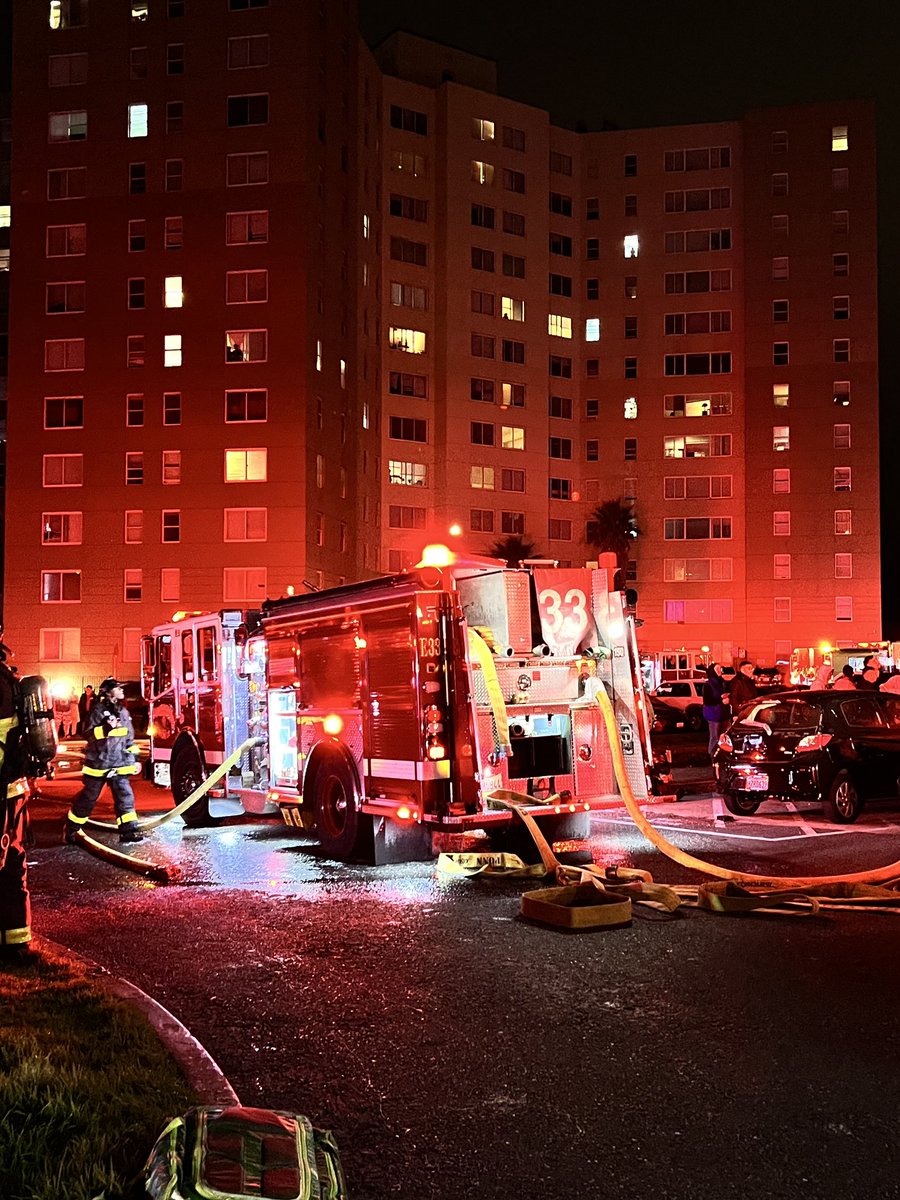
pixel 344 832
pixel 187 775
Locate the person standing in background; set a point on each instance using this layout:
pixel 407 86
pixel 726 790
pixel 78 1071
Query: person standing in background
pixel 844 681
pixel 742 688
pixel 73 719
pixel 84 707
pixel 715 704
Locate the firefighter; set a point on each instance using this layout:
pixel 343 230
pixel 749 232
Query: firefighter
pixel 110 756
pixel 15 901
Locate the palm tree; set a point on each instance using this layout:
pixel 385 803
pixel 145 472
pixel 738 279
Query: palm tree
pixel 612 528
pixel 513 549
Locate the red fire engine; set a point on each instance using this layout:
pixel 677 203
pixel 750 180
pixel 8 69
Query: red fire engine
pixel 398 707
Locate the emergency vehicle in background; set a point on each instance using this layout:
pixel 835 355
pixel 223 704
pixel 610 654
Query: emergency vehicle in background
pixel 396 708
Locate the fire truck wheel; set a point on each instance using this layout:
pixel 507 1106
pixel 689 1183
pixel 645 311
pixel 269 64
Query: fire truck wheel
pixel 340 825
pixel 187 775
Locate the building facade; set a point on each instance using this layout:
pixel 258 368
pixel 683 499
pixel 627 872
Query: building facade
pixel 283 311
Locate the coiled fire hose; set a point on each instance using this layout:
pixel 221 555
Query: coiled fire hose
pixel 160 873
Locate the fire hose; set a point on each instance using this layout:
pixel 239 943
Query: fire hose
pixel 156 871
pixel 795 894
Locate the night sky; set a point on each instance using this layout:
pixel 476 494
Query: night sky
pixel 658 62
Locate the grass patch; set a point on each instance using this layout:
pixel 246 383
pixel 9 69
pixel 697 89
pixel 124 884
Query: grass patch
pixel 85 1086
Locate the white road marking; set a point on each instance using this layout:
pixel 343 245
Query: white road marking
pixel 741 837
pixel 808 829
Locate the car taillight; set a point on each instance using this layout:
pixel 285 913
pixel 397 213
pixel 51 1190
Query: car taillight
pixel 814 741
pixel 725 743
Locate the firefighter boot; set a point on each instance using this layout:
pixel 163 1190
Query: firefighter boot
pixel 129 832
pixel 69 833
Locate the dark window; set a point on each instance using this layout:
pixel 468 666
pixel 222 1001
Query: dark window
pixel 513 352
pixel 483 215
pixel 248 110
pixel 482 389
pixel 631 327
pixel 409 119
pixel 481 433
pixel 137 178
pixel 514 266
pixel 560 366
pixel 409 207
pixel 405 250
pixel 513 181
pixel 482 260
pixel 560 285
pixel 560 244
pixel 514 223
pixel 403 384
pixel 408 429
pixel 631 368
pixel 630 447
pixel 561 204
pixel 561 406
pixel 175 60
pixel 592 248
pixel 631 165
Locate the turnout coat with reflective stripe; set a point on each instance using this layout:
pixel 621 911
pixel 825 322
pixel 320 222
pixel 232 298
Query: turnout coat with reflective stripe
pixel 110 739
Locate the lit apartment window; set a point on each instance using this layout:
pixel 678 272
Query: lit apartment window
pixel 173 292
pixel 250 345
pixel 134 526
pixel 631 245
pixel 245 466
pixel 172 350
pixel 781 609
pixel 843 608
pixel 781 393
pixel 512 437
pixel 482 172
pixel 61 528
pixel 319 354
pixel 171 525
pixel 482 130
pixel 320 471
pixel 781 437
pixel 843 566
pixel 412 341
pixel 843 522
pixel 137 120
pixel 512 395
pixel 559 326
pixel 245 524
pixel 67 14
pixel 781 480
pixel 407 474
pixel 630 411
pixel 140 10
pixel 512 309
pixel 68 126
pixel 171 467
pixel 781 566
pixel 60 587
pixel 481 478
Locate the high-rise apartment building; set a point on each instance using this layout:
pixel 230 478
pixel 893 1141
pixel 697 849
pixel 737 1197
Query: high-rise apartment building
pixel 283 311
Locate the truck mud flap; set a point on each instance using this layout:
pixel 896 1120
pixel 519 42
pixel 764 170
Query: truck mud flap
pixel 397 842
pixel 561 828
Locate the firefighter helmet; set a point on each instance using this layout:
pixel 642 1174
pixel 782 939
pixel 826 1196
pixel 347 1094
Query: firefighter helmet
pixel 108 686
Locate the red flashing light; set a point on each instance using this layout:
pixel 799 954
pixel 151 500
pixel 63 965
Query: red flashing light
pixel 333 724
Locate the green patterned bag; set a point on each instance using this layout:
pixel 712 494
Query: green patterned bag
pixel 244 1154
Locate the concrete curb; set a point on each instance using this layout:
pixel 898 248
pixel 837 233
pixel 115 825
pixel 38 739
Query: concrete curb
pixel 200 1069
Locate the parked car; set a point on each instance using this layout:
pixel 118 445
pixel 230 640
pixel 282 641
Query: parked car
pixel 837 748
pixel 666 717
pixel 685 695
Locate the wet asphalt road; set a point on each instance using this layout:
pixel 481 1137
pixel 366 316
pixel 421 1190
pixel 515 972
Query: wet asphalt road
pixel 457 1051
